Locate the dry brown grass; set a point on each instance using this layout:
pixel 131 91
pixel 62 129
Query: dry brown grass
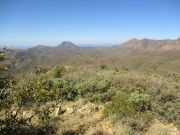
pixel 88 119
pixel 158 128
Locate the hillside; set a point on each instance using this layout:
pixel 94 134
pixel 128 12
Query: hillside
pixel 151 45
pixel 142 55
pixel 88 99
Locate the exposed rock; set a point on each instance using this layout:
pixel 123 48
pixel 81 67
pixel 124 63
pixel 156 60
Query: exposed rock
pixel 59 111
pixel 70 110
pixel 14 112
pixel 27 113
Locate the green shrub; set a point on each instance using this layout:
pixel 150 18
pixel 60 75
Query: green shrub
pixel 64 90
pixel 47 82
pixel 169 111
pixel 116 69
pixel 174 77
pixel 11 125
pixel 103 66
pixel 58 71
pixel 125 68
pixel 40 70
pixel 86 86
pixel 141 102
pixel 95 90
pixel 135 124
pixel 34 89
pixel 166 98
pixel 92 85
pixel 131 109
pixel 120 106
pixel 2 57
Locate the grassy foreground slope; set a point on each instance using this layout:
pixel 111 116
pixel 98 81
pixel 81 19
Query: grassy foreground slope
pixel 91 100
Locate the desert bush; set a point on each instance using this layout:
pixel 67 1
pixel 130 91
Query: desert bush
pixel 40 70
pixel 174 77
pixel 120 106
pixel 166 97
pixel 130 83
pixel 6 79
pixel 131 109
pixel 103 66
pixel 125 68
pixel 166 105
pixel 2 57
pixel 64 90
pixel 100 97
pixel 46 82
pixel 58 71
pixel 37 89
pixel 95 90
pixel 6 82
pixel 141 102
pixel 135 124
pixel 86 86
pixel 116 69
pixel 31 91
pixel 169 111
pixel 11 125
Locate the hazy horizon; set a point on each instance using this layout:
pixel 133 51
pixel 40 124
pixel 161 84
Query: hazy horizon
pixel 78 44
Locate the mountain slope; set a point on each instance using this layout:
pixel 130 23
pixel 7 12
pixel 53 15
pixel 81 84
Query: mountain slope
pixel 142 55
pixel 151 45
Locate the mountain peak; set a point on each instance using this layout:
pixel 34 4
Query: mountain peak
pixel 41 46
pixel 67 44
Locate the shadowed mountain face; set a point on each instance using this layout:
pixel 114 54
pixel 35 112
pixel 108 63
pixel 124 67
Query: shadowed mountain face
pixel 143 55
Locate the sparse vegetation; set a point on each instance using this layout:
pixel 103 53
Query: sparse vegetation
pixel 37 103
pixel 66 69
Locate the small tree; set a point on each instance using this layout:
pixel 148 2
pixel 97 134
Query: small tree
pixel 5 79
pixel 14 98
pixel 8 123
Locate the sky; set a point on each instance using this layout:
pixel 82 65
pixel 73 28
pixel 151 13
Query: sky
pixel 25 23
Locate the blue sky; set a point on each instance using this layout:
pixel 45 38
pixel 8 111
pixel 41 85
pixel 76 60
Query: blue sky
pixel 32 22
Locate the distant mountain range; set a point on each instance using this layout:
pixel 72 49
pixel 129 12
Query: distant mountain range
pixel 152 45
pixel 144 55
